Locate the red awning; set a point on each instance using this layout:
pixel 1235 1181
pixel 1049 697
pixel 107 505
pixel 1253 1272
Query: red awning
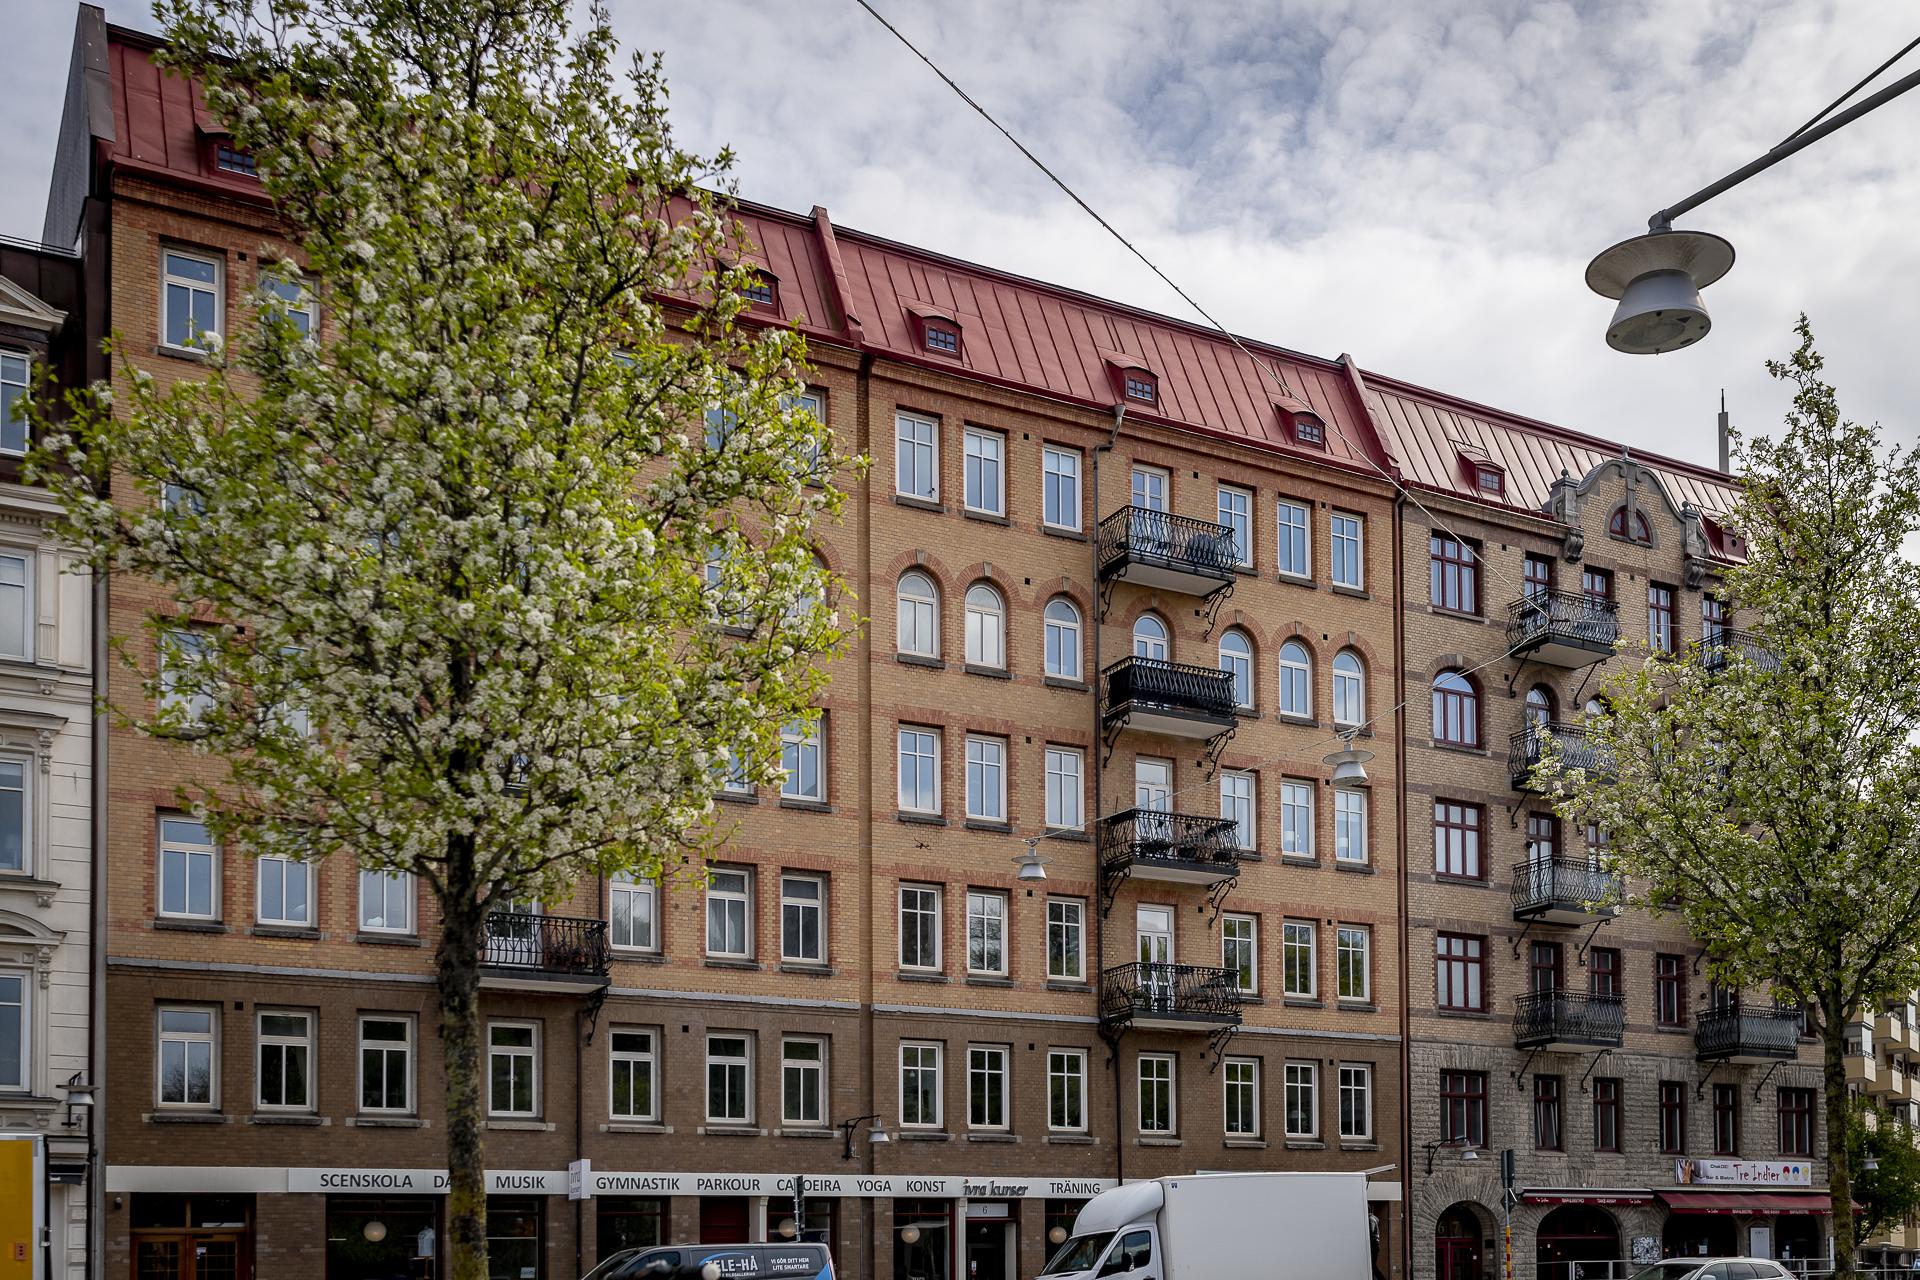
pixel 1746 1202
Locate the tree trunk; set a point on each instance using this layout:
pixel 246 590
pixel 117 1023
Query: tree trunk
pixel 1833 1070
pixel 461 937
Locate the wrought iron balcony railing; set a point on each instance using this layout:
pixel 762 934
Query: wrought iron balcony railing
pixel 1189 845
pixel 1748 1033
pixel 1165 691
pixel 1163 549
pixel 525 942
pixel 1565 890
pixel 1721 649
pixel 1169 996
pixel 1529 746
pixel 1567 1019
pixel 1566 628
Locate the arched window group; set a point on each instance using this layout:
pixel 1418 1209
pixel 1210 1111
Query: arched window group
pixel 1631 526
pixel 917 626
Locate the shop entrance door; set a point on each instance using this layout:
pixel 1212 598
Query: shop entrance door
pixel 723 1220
pixel 191 1256
pixel 990 1251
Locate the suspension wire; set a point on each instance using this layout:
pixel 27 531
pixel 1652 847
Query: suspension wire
pixel 1831 106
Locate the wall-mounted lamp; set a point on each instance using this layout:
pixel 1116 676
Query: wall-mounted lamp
pixel 876 1136
pixel 79 1094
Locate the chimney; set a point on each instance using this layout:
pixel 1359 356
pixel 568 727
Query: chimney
pixel 1726 438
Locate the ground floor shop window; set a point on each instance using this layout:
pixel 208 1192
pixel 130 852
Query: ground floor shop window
pixel 723 1220
pixel 1797 1237
pixel 628 1222
pixel 394 1238
pixel 192 1237
pixel 1699 1235
pixel 1060 1215
pixel 922 1239
pixel 816 1227
pixel 513 1238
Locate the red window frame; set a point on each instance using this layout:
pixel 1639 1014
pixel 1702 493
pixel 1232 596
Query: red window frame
pixel 1796 1121
pixel 1463 1108
pixel 1139 385
pixel 1660 620
pixel 944 330
pixel 1596 584
pixel 1456 822
pixel 763 283
pixel 1307 430
pixel 1673 1117
pixel 1603 971
pixel 1453 574
pixel 1459 957
pixel 1537 574
pixel 1617 526
pixel 1547 1132
pixel 1456 707
pixel 1546 967
pixel 1714 618
pixel 1490 480
pixel 1543 837
pixel 1726 1119
pixel 1606 1113
pixel 1669 990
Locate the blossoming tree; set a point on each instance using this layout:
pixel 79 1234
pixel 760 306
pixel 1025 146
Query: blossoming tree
pixel 484 578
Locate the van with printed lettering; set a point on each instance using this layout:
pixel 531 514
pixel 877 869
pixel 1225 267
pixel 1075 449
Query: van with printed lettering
pixel 1223 1226
pixel 718 1262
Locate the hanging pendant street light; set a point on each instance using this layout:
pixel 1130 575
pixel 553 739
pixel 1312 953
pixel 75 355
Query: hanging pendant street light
pixel 1349 764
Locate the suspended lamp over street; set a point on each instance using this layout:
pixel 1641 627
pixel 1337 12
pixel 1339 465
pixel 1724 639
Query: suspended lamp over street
pixel 1349 764
pixel 1032 864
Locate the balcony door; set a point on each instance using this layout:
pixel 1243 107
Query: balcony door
pixel 1154 927
pixel 514 936
pixel 1153 801
pixel 1150 638
pixel 1150 489
pixel 1149 534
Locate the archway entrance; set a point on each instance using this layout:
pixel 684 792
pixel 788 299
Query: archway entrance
pixel 1457 1244
pixel 1699 1235
pixel 1573 1235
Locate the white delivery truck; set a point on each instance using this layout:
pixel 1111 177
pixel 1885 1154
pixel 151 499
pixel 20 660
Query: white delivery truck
pixel 1223 1226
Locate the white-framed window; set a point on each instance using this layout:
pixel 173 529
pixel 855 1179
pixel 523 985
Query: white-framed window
pixel 513 1069
pixel 1296 818
pixel 16 605
pixel 918 602
pixel 919 926
pixel 632 1075
pixel 1064 788
pixel 1240 1080
pixel 189 870
pixel 386 901
pixel 916 456
pixel 1062 626
pixel 1299 961
pixel 1349 689
pixel 1296 680
pixel 284 887
pixel 1237 805
pixel 1303 1100
pixel 803 773
pixel 730 913
pixel 987 1086
pixel 984 487
pixel 920 1101
pixel 16 1028
pixel 190 299
pixel 803 1081
pixel 986 932
pixel 1150 488
pixel 1155 1087
pixel 633 903
pixel 16 821
pixel 187 1065
pixel 283 1071
pixel 986 627
pixel 919 769
pixel 1067 1090
pixel 181 652
pixel 1347 534
pixel 803 906
pixel 1295 523
pixel 1353 962
pixel 1240 951
pixel 1350 826
pixel 1150 638
pixel 1236 658
pixel 986 778
pixel 1066 939
pixel 1356 1101
pixel 16 381
pixel 729 1078
pixel 816 404
pixel 1060 480
pixel 1235 507
pixel 293 298
pixel 386 1063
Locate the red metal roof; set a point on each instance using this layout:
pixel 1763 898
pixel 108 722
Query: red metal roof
pixel 160 121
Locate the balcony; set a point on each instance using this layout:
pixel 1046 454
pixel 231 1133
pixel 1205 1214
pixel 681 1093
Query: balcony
pixel 1169 997
pixel 1529 746
pixel 1567 1021
pixel 1891 1030
pixel 1722 649
pixel 1741 1033
pixel 1166 697
pixel 1181 848
pixel 529 952
pixel 1161 550
pixel 1565 891
pixel 1563 628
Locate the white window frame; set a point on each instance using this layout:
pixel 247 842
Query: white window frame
pixel 1057 477
pixel 1251 1085
pixel 1291 934
pixel 515 1054
pixel 730 1062
pixel 1349 689
pixel 185 854
pixel 1297 804
pixel 386 1049
pixel 181 649
pixel 1301 1077
pixel 986 627
pixel 1246 830
pixel 21 1068
pixel 25 791
pixel 924 896
pixel 1252 942
pixel 798 740
pixel 636 889
pixel 1144 639
pixel 1286 541
pixel 1140 486
pixel 1356 1080
pixel 1344 935
pixel 1067 1064
pixel 1065 789
pixel 1170 1080
pixel 217 288
pixel 14 390
pixel 392 882
pixel 1233 506
pixel 1348 535
pixel 1061 638
pixel 920 745
pixel 986 778
pixel 933 1065
pixel 1299 675
pixel 288 868
pixel 1069 924
pixel 303 303
pixel 24 590
pixel 1240 663
pixel 922 453
pixel 911 611
pixel 1350 827
pixel 286 1043
pixel 210 1038
pixel 728 898
pixel 818 1067
pixel 990 925
pixel 801 904
pixel 988 449
pixel 641 1064
pixel 981 1062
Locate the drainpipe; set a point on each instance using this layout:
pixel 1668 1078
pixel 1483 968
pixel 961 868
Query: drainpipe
pixel 97 943
pixel 1400 790
pixel 1099 772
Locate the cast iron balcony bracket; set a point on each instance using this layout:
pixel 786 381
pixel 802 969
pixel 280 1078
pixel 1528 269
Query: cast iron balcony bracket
pixel 1173 553
pixel 1563 628
pixel 1528 747
pixel 1185 848
pixel 1565 890
pixel 1171 997
pixel 1747 1033
pixel 528 945
pixel 1563 1020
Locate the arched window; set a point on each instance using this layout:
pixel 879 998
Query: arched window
pixel 1236 656
pixel 1150 638
pixel 986 627
pixel 801 610
pixel 1539 706
pixel 1456 710
pixel 1349 689
pixel 1595 707
pixel 1063 639
pixel 919 608
pixel 1618 527
pixel 1296 680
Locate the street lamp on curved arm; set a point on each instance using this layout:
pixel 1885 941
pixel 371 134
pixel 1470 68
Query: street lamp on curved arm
pixel 876 1136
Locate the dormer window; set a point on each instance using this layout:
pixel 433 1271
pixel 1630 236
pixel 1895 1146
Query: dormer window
pixel 1142 386
pixel 1635 530
pixel 1309 431
pixel 232 161
pixel 942 337
pixel 762 290
pixel 1490 480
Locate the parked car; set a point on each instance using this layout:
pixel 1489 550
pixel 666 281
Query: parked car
pixel 729 1262
pixel 1714 1269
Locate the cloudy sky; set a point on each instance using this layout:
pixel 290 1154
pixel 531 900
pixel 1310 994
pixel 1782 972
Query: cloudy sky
pixel 1419 183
